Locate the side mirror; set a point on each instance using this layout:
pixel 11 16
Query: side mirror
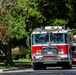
pixel 29 41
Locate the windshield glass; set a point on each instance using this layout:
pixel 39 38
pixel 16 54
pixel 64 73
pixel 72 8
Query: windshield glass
pixel 40 38
pixel 58 38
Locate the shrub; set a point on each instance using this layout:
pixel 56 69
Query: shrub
pixel 25 53
pixel 15 55
pixel 22 53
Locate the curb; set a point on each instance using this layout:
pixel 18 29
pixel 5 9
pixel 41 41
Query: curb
pixel 14 69
pixel 11 69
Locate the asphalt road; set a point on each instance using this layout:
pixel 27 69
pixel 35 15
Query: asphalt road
pixel 48 71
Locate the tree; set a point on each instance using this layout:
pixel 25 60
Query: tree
pixel 4 40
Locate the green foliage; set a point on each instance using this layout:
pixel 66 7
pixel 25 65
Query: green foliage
pixel 15 55
pixel 58 22
pixel 23 50
pixel 25 53
pixel 27 56
pixel 17 28
pixel 15 52
pixel 22 16
pixel 74 31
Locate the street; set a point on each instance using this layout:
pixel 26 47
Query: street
pixel 48 71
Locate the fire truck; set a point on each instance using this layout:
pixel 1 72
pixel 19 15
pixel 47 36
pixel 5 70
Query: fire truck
pixel 74 50
pixel 51 46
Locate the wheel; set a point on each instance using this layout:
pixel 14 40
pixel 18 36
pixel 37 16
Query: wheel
pixel 67 65
pixel 43 67
pixel 36 67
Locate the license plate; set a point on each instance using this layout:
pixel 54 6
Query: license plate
pixel 50 59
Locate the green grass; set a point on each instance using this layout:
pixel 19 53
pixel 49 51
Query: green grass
pixel 15 52
pixel 21 63
pixel 22 60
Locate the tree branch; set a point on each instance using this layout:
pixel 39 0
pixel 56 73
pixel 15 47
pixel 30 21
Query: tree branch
pixel 1 3
pixel 4 4
pixel 8 4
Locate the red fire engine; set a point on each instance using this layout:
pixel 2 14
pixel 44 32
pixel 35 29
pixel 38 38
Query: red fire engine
pixel 74 50
pixel 51 46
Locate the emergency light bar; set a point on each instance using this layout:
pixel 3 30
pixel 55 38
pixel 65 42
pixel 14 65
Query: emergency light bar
pixel 39 30
pixel 55 27
pixel 68 29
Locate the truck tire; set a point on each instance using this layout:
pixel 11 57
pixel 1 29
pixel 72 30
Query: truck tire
pixel 43 67
pixel 36 67
pixel 67 65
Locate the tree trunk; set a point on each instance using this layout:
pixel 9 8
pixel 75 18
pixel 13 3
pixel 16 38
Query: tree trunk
pixel 6 48
pixel 8 54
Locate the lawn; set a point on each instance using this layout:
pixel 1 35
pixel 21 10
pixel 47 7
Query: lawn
pixel 20 63
pixel 22 60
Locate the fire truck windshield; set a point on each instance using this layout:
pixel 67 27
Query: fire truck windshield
pixel 58 38
pixel 40 38
pixel 54 38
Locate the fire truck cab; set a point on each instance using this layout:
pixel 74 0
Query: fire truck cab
pixel 51 46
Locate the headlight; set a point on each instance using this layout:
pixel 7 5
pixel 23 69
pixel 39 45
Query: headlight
pixel 39 58
pixel 38 52
pixel 61 52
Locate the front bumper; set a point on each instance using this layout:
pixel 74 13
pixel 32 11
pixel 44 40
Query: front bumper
pixel 50 60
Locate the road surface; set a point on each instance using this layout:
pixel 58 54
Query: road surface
pixel 48 71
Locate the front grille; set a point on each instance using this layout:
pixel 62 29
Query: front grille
pixel 50 51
